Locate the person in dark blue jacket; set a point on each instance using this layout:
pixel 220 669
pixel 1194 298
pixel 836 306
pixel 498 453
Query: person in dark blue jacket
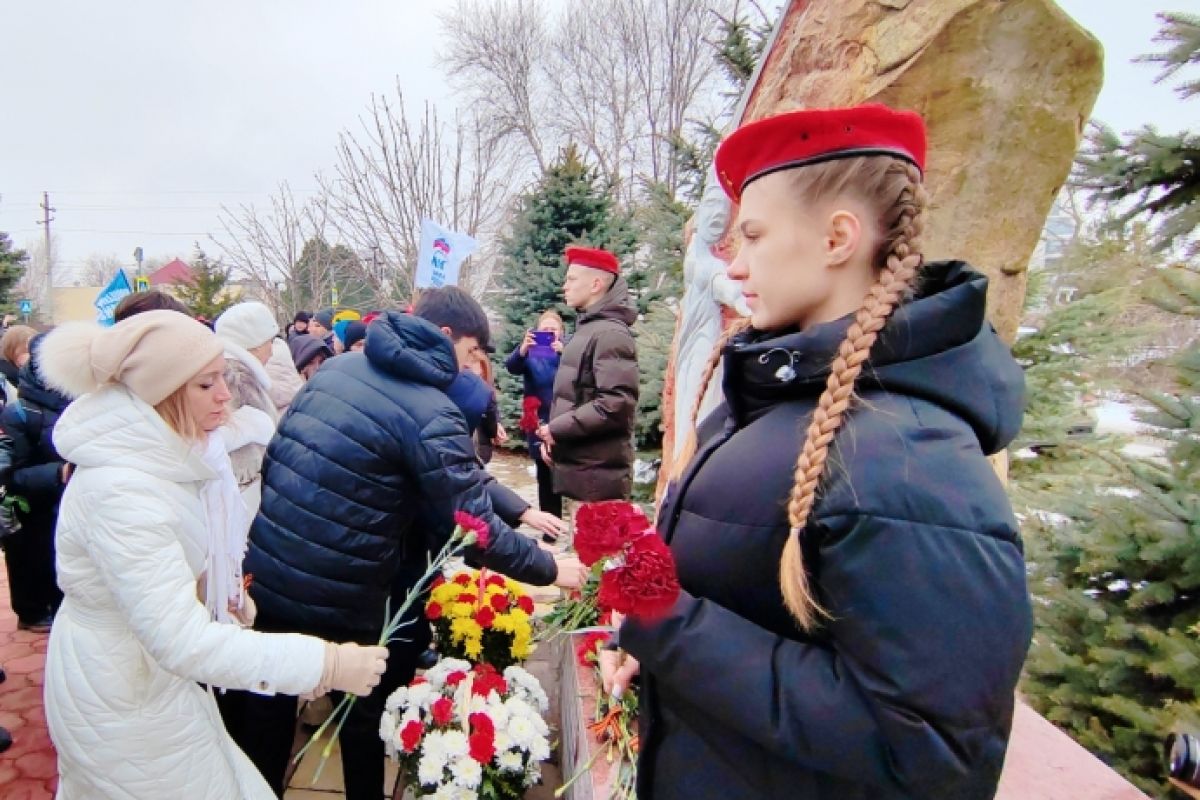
pixel 360 485
pixel 31 469
pixel 537 365
pixel 854 614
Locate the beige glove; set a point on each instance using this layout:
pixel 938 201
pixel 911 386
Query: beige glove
pixel 351 668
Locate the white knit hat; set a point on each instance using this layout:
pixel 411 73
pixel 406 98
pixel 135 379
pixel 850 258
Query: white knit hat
pixel 248 325
pixel 153 353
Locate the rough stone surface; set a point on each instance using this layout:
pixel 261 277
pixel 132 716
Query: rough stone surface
pixel 1004 85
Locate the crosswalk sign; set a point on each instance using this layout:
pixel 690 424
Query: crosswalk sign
pixel 141 284
pixel 26 307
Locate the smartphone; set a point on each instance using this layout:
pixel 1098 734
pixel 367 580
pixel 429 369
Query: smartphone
pixel 543 338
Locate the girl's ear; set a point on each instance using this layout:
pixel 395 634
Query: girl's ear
pixel 843 237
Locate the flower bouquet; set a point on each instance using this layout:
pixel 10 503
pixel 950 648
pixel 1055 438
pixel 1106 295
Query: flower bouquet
pixel 468 531
pixel 633 571
pixel 481 617
pixel 463 731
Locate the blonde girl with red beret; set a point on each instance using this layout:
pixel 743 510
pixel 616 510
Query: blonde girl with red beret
pixel 854 616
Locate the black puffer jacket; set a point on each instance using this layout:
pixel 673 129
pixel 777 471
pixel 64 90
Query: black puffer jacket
pixel 906 691
pixel 363 479
pixel 29 465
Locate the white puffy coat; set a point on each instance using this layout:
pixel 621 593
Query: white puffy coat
pixel 131 641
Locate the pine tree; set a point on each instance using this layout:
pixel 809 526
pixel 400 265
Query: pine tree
pixel 206 293
pixel 1155 174
pixel 1114 536
pixel 1116 568
pixel 319 270
pixel 569 205
pixel 12 267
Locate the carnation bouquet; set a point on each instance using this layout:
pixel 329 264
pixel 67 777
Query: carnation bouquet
pixel 463 731
pixel 632 569
pixel 482 617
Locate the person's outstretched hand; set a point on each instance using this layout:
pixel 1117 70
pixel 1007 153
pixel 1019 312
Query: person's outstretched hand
pixel 545 522
pixel 572 574
pixel 352 668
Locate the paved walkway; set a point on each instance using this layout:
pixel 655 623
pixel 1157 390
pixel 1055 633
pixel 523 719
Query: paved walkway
pixel 28 771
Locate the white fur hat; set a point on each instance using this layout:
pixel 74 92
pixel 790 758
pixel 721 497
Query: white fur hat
pixel 152 353
pixel 248 325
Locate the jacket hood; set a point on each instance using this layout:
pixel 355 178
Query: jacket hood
pixel 615 304
pixel 252 367
pixel 937 347
pixel 411 348
pixel 114 427
pixel 32 385
pixel 306 347
pixel 472 395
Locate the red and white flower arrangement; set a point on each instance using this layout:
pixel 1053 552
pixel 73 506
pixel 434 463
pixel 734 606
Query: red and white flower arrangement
pixel 463 731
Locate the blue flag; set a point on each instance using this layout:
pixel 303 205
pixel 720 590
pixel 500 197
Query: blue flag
pixel 106 301
pixel 442 253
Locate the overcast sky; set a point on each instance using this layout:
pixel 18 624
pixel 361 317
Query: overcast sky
pixel 142 117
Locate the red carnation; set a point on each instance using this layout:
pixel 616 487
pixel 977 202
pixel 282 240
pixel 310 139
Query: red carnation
pixel 474 525
pixel 462 579
pixel 602 529
pixel 588 651
pixel 646 586
pixel 466 597
pixel 525 603
pixel 417 681
pixel 456 677
pixel 438 581
pixel 485 617
pixel 443 710
pixel 410 736
pixel 433 611
pixel 529 415
pixel 482 723
pixel 482 747
pixel 488 680
pixel 499 603
pixel 495 580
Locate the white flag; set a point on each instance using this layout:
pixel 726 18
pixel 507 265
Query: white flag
pixel 442 253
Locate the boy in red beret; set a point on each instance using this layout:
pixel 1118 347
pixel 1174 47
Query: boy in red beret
pixel 589 439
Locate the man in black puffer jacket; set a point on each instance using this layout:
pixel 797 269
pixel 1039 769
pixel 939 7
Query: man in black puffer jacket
pixel 360 483
pixel 30 468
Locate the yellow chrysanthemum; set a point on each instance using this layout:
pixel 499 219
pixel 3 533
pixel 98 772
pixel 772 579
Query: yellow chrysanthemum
pixel 473 648
pixel 465 629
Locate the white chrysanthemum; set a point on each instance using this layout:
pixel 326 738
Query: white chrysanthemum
pixel 479 704
pixel 527 687
pixel 540 750
pixel 397 699
pixel 511 761
pixel 387 727
pixel 499 715
pixel 430 771
pixel 467 772
pixel 422 696
pixel 455 744
pixel 522 731
pixel 503 740
pixel 533 774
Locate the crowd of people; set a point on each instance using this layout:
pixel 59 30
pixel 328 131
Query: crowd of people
pixel 215 520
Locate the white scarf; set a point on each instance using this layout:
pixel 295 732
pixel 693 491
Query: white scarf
pixel 228 528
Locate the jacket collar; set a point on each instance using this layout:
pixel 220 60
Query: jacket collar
pixel 615 304
pixel 114 427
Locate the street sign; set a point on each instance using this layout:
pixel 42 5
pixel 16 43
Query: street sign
pixel 141 284
pixel 26 307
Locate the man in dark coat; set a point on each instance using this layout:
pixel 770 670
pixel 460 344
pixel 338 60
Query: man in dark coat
pixel 31 469
pixel 360 485
pixel 589 438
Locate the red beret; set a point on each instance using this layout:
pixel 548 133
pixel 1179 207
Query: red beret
pixel 810 136
pixel 594 258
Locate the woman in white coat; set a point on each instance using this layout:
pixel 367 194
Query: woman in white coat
pixel 132 640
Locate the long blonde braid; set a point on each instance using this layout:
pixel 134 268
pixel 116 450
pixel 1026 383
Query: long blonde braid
pixel 688 451
pixel 900 262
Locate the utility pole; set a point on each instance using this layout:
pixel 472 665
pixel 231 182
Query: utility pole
pixel 48 303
